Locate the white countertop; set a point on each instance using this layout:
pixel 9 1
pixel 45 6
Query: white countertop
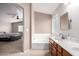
pixel 71 47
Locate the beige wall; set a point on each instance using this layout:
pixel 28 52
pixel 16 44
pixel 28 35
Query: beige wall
pixel 5 27
pixel 27 37
pixel 42 23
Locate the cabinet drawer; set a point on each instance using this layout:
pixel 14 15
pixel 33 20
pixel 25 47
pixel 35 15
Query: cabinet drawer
pixel 51 41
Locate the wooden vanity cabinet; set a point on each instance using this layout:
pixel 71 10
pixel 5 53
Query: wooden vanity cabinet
pixel 53 51
pixel 57 50
pixel 52 47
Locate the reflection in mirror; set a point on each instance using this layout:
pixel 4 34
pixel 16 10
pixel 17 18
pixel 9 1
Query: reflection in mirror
pixel 11 28
pixel 64 22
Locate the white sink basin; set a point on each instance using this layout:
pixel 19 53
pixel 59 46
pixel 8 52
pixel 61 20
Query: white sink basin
pixel 75 48
pixel 74 41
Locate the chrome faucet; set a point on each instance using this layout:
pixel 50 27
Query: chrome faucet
pixel 62 36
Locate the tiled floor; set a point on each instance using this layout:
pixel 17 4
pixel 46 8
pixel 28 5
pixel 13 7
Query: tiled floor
pixel 14 49
pixel 31 53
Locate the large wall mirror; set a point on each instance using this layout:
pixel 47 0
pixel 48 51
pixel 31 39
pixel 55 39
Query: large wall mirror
pixel 11 28
pixel 64 22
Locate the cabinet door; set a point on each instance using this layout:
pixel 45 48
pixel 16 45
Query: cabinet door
pixel 54 51
pixel 65 53
pixel 50 48
pixel 59 54
pixel 59 49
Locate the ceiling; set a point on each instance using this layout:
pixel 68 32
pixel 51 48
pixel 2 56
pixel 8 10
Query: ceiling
pixel 47 8
pixel 8 12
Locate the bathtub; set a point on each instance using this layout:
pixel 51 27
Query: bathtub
pixel 40 41
pixel 40 38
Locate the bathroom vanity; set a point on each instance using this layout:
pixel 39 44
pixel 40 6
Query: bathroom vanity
pixel 56 49
pixel 63 47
